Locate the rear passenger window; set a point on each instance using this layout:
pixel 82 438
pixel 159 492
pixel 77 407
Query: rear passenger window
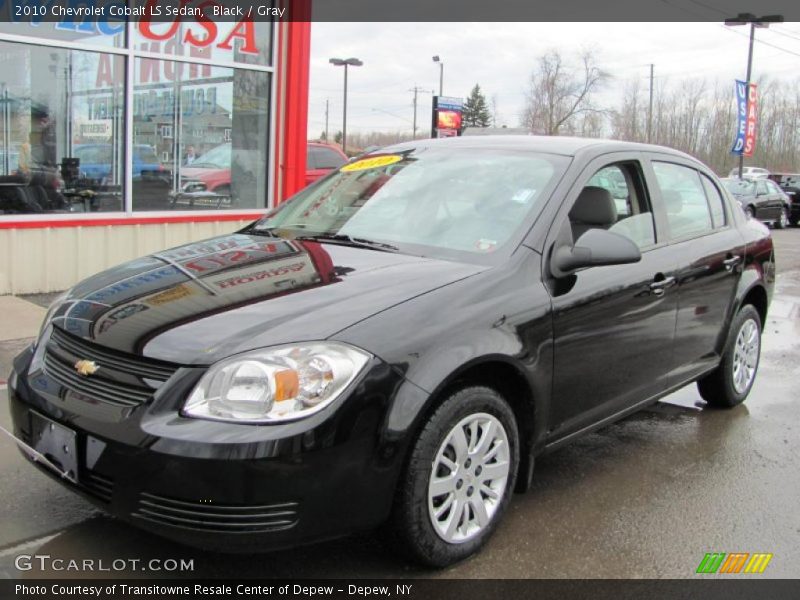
pixel 684 199
pixel 715 202
pixel 325 158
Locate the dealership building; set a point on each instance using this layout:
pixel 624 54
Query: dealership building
pixel 121 138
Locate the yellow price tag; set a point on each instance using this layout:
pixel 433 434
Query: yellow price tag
pixel 372 163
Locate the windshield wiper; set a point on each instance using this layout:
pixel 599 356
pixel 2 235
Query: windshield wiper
pixel 349 240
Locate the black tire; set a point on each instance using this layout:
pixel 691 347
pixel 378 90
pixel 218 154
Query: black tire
pixel 783 220
pixel 718 387
pixel 410 528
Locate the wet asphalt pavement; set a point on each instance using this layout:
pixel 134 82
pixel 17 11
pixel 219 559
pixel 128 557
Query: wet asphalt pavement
pixel 645 497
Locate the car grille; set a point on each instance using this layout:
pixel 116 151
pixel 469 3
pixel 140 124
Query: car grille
pixel 98 486
pixel 122 380
pixel 220 518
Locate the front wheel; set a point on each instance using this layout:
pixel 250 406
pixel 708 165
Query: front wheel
pixel 459 478
pixel 730 383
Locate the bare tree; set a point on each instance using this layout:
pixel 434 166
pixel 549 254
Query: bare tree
pixel 560 93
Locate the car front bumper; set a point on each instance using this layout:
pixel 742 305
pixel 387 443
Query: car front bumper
pixel 224 486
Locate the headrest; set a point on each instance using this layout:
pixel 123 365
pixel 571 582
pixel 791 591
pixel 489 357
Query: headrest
pixel 594 206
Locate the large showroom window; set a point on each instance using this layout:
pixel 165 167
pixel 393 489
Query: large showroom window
pixel 199 136
pixel 61 131
pixel 131 117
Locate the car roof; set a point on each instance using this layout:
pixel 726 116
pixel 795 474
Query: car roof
pixel 565 146
pixel 324 145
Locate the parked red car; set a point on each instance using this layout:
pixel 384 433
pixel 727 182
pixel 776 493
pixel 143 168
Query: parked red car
pixel 211 171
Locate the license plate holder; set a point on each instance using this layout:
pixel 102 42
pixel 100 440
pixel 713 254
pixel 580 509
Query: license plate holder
pixel 56 442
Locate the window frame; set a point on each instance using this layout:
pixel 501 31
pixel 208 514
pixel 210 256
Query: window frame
pixel 130 54
pixel 559 221
pixel 725 209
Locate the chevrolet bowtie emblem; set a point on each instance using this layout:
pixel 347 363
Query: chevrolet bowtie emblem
pixel 86 367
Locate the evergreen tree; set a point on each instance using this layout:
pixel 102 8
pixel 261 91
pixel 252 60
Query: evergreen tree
pixel 476 110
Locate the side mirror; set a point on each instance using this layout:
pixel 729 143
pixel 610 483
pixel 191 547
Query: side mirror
pixel 595 248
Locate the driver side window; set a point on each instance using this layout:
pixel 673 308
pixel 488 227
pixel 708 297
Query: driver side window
pixel 615 199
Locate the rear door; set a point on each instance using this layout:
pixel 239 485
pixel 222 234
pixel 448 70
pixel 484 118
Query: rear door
pixel 613 325
pixel 776 197
pixel 710 253
pixel 766 201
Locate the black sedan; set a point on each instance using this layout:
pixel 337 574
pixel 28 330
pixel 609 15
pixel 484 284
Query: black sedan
pixel 762 199
pixel 790 184
pixel 396 344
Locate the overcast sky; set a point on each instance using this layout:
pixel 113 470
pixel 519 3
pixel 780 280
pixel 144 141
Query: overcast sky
pixel 501 56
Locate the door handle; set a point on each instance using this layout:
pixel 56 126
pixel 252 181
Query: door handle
pixel 658 287
pixel 731 262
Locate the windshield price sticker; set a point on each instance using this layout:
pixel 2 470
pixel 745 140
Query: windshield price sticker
pixel 372 163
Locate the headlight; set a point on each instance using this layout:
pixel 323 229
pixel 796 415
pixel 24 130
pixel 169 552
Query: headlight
pixel 275 384
pixel 192 186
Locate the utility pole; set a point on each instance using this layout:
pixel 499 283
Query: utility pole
pixel 650 110
pixel 416 90
pixel 327 137
pixel 753 21
pixel 350 62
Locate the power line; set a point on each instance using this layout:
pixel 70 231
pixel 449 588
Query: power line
pixel 758 41
pixel 719 11
pixel 784 34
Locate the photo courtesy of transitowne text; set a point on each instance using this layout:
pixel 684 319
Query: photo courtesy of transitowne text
pixel 123 590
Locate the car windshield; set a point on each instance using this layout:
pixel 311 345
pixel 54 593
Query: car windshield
pixel 438 201
pixel 218 157
pixel 739 187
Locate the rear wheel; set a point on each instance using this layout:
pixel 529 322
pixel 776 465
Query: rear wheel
pixel 783 220
pixel 732 380
pixel 459 479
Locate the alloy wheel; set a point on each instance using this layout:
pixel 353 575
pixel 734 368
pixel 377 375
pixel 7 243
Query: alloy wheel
pixel 468 478
pixel 745 356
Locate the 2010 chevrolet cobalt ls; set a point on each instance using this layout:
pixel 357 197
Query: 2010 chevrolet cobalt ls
pixel 397 343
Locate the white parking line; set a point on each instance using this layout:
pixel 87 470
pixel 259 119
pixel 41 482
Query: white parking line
pixel 36 543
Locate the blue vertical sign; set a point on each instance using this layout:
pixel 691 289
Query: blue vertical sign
pixel 741 117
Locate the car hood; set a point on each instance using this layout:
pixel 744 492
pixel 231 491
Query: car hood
pixel 201 173
pixel 198 303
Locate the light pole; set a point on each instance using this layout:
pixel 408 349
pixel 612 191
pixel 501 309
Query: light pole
pixel 436 59
pixel 349 62
pixel 753 21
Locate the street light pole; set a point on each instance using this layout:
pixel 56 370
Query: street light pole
pixel 350 62
pixel 650 108
pixel 753 21
pixel 436 59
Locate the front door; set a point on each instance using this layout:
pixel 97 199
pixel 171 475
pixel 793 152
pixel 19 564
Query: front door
pixel 614 325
